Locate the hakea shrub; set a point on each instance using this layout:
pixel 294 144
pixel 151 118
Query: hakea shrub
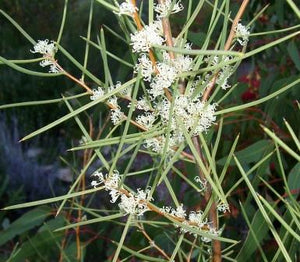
pixel 172 102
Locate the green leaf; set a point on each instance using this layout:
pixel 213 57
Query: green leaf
pixel 26 222
pixel 294 180
pixel 294 54
pixel 197 39
pixel 294 7
pixel 264 213
pixel 53 199
pixel 43 244
pixel 281 143
pixel 257 231
pixel 252 153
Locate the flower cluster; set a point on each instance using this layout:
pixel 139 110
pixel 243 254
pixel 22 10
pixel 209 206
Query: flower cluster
pixel 97 93
pixel 179 212
pixel 150 35
pixel 194 220
pixel 186 114
pixel 48 51
pixel 130 203
pixel 117 115
pixel 166 8
pixel 135 204
pixel 223 73
pixel 111 183
pixel 168 71
pixel 242 34
pixel 45 48
pixel 127 8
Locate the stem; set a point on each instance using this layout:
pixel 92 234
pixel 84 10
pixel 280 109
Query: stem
pixel 208 193
pixel 152 243
pixel 228 43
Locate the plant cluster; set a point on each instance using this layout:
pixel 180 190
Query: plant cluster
pixel 171 107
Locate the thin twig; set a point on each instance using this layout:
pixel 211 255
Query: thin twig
pixel 152 243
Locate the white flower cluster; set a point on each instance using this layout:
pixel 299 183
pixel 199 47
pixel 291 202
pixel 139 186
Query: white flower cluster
pixel 146 120
pixel 143 104
pixel 195 115
pixel 135 204
pixel 110 182
pixel 48 51
pixel 168 70
pixel 188 113
pixel 45 48
pixel 117 115
pixel 195 220
pixel 223 73
pixel 167 8
pixel 145 65
pixel 242 34
pixel 151 34
pixel 97 93
pixel 127 8
pixel 178 212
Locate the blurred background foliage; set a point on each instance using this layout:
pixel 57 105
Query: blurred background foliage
pixel 257 77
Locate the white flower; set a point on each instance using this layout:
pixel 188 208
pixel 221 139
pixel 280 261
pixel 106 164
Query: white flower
pixel 117 116
pixel 45 48
pixel 242 34
pixel 48 51
pixel 150 35
pixel 223 207
pixel 110 181
pixel 211 231
pixel 146 67
pixel 198 219
pixel 146 120
pixel 157 87
pixel 165 210
pixel 167 73
pixel 179 64
pixel 54 69
pixel 179 212
pixel 156 144
pixel 203 183
pixel 114 194
pixel 188 113
pixel 188 46
pixel 167 8
pixel 143 104
pixel 127 8
pixel 223 73
pixel 97 93
pixel 128 204
pixel 135 204
pixel 183 63
pixel 113 100
pixel 164 79
pixel 45 62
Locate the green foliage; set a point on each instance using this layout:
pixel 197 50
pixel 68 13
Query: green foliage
pixel 247 161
